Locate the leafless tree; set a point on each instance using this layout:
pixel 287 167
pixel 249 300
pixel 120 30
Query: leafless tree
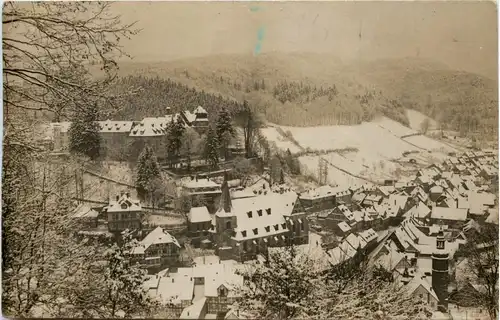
pixel 481 254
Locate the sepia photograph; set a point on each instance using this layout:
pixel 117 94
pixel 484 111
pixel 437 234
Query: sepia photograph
pixel 250 160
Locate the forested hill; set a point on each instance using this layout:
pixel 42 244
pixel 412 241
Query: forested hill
pixel 314 89
pixel 154 95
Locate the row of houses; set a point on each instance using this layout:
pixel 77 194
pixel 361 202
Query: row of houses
pixel 119 133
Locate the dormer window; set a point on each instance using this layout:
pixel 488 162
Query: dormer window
pixel 259 212
pixel 124 206
pixel 283 225
pixel 222 291
pixel 276 227
pixel 268 211
pixel 268 229
pixel 249 214
pixel 256 231
pixel 244 234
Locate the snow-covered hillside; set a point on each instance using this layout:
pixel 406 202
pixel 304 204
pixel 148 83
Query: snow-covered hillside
pixel 384 149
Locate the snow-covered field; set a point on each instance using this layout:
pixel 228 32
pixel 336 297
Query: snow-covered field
pixel 430 144
pixel 416 118
pixel 281 142
pixel 378 143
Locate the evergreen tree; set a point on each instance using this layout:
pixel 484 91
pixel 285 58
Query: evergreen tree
pixel 175 133
pixel 190 144
pixel 147 170
pixel 211 152
pixel 224 130
pixel 84 135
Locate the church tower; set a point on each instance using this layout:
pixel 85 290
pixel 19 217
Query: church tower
pixel 440 275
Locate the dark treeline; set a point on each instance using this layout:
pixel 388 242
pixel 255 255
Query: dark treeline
pixel 154 95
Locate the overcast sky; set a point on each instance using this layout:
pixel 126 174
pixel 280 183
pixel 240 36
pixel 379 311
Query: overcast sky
pixel 462 35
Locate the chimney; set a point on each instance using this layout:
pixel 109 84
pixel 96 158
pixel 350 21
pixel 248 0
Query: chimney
pixel 117 198
pixel 456 202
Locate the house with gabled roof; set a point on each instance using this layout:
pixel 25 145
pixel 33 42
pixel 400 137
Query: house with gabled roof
pixel 244 228
pixel 159 248
pixel 123 213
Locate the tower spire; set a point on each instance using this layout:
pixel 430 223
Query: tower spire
pixel 225 199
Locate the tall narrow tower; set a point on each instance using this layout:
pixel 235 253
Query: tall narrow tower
pixel 440 276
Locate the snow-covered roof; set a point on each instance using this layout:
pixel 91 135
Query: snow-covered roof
pixel 368 235
pixel 344 226
pixel 124 203
pixel 174 289
pixel 321 192
pixel 420 210
pixel 355 241
pixel 110 126
pixel 199 214
pixel 436 189
pixel 200 109
pixel 157 236
pixel 419 280
pixel 189 115
pixel 194 311
pixel 263 214
pixel 449 213
pixel 150 127
pixel 200 183
pixel 84 211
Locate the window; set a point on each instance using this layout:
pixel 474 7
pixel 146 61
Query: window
pixel 222 291
pixel 268 229
pixel 259 212
pixel 268 211
pixel 124 206
pixel 245 246
pixel 228 225
pixel 421 296
pixel 244 233
pixel 276 227
pixel 249 213
pixel 302 226
pixel 132 215
pixel 256 231
pixel 283 225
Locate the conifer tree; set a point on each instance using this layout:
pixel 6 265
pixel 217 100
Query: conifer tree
pixel 147 170
pixel 211 152
pixel 224 130
pixel 84 136
pixel 175 134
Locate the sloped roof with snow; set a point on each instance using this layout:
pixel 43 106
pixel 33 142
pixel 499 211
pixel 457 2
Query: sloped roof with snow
pixel 157 236
pixel 355 241
pixel 124 203
pixel 150 127
pixel 449 213
pixel 199 214
pixel 344 226
pixel 263 213
pixel 84 211
pixel 110 126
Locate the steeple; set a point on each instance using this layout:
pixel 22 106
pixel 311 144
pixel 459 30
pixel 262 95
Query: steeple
pixel 225 199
